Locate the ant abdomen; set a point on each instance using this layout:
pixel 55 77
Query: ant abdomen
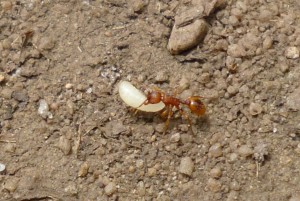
pixel 196 105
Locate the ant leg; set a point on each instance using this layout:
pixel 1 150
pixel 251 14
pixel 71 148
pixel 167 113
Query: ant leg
pixel 164 113
pixel 186 116
pixel 170 113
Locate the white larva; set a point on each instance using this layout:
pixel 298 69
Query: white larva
pixel 134 98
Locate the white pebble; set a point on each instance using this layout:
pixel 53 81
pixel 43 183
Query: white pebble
pixel 43 109
pixel 292 52
pixel 2 168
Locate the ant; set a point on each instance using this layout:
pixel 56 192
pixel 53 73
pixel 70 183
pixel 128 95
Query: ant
pixel 194 103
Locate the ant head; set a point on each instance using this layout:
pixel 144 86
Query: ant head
pixel 196 105
pixel 154 97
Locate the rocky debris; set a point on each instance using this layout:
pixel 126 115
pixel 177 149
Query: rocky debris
pixel 186 166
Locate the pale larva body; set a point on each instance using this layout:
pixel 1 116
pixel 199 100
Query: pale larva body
pixel 135 98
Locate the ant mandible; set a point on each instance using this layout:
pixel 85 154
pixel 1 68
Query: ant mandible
pixel 194 103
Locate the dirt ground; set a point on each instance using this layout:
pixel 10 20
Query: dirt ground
pixel 67 135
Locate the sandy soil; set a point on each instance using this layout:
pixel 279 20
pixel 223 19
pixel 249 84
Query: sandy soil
pixel 66 134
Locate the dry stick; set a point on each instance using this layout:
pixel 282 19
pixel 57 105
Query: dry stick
pixel 8 141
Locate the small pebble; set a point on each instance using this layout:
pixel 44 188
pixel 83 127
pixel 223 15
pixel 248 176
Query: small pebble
pixel 236 50
pixel 21 96
pixel 2 168
pixel 292 53
pixel 186 166
pixel 141 190
pixel 10 147
pixel 204 78
pixel 138 6
pixel 69 86
pixel 233 20
pixel 232 90
pixel 2 78
pixel 214 185
pixel 255 109
pixel 215 150
pixel 140 163
pixel 110 188
pixel 71 188
pixel 175 137
pixel 6 5
pixel 152 172
pixel 187 37
pixel 245 151
pixel 232 157
pixel 267 43
pixel 6 44
pixel 235 186
pixel 216 172
pixel 6 93
pixel 159 127
pixel 284 67
pixel 161 77
pixel 46 43
pixel 64 145
pixel 84 169
pixel 131 169
pixel 11 184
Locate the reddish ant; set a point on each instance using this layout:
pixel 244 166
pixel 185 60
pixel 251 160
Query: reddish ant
pixel 193 102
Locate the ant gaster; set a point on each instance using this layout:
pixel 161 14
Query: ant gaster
pixel 193 102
